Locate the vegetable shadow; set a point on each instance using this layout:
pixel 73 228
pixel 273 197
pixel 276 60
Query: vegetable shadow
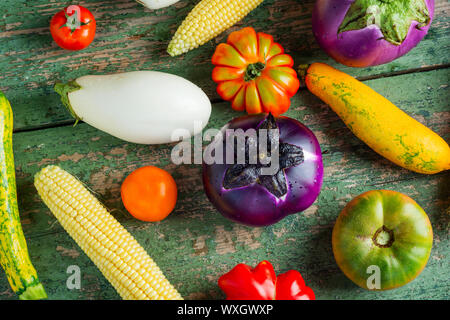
pixel 322 273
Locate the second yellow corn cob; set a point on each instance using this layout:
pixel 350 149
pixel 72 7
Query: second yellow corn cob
pixel 208 19
pixel 120 258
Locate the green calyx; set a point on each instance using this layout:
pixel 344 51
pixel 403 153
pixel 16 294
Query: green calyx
pixel 63 89
pixel 393 17
pixel 253 71
pixel 73 22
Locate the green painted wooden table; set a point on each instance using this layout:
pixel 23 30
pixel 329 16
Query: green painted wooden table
pixel 195 244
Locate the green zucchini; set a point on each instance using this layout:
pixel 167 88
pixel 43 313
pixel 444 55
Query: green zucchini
pixel 14 256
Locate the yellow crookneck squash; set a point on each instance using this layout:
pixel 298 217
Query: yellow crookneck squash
pixel 14 256
pixel 380 124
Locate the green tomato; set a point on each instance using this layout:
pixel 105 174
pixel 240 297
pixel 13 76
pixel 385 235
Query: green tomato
pixel 382 240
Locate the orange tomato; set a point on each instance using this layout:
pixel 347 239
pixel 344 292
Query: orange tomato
pixel 149 193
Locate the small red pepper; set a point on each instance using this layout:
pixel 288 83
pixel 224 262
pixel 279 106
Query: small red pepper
pixel 261 283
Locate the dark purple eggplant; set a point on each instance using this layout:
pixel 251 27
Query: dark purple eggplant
pixel 244 192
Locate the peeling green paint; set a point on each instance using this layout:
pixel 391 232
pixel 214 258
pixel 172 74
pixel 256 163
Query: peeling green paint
pixel 195 244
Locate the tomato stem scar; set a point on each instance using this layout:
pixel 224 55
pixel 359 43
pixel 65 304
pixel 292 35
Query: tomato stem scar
pixel 383 237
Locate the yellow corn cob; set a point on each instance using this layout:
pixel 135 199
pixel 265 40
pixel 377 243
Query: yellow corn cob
pixel 208 19
pixel 114 251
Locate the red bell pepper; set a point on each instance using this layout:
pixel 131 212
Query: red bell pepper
pixel 261 283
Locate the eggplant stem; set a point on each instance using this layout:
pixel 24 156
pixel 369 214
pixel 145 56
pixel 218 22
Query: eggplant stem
pixel 63 89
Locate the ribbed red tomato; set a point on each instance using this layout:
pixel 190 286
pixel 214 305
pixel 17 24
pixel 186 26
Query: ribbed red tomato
pixel 254 73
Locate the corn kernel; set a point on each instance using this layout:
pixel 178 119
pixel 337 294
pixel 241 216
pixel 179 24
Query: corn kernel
pixel 208 19
pixel 105 241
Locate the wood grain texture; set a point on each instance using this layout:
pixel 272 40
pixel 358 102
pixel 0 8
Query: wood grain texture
pixel 130 37
pixel 195 244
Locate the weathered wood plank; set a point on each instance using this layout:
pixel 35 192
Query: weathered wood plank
pixel 130 37
pixel 195 235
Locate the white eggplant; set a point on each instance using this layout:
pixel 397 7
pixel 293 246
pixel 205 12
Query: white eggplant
pixel 157 4
pixel 145 107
